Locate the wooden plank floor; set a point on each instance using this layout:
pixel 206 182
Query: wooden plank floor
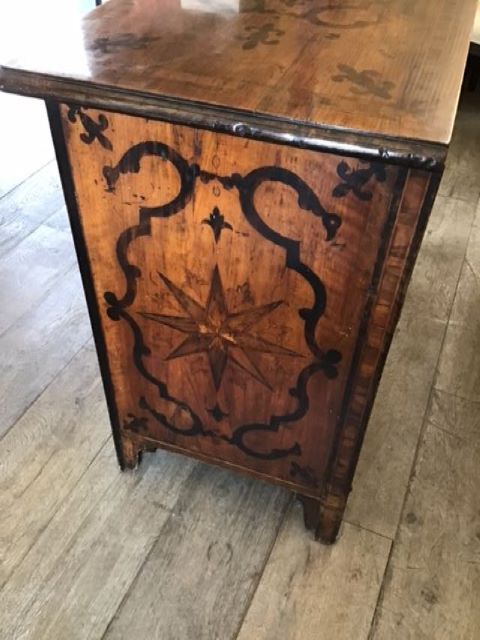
pixel 178 550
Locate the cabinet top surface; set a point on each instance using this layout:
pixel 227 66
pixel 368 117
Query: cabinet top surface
pixel 388 68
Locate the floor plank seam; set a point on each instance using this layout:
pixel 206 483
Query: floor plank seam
pixel 352 523
pixel 72 266
pixel 19 184
pixel 63 207
pixel 416 454
pixel 36 476
pixel 454 394
pixel 73 540
pixel 50 520
pixel 137 575
pixel 288 507
pixel 30 233
pixel 34 400
pixel 472 270
pixel 446 432
pixel 457 197
pixel 378 603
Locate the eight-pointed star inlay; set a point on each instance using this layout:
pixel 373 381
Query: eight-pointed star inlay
pixel 222 335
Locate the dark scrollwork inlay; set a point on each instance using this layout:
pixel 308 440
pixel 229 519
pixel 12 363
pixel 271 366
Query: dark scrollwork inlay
pixel 324 361
pixel 356 180
pixel 93 130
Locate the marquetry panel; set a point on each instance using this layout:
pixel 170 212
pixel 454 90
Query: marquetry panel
pixel 232 278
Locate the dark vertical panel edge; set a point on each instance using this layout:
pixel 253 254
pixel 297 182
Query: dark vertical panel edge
pixel 419 232
pixel 68 185
pixel 397 195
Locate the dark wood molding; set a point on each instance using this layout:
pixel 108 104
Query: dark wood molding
pixel 344 142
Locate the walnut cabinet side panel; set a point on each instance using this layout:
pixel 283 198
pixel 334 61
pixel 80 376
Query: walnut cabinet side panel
pixel 243 293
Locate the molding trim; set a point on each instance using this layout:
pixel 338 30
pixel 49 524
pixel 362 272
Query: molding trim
pixel 411 153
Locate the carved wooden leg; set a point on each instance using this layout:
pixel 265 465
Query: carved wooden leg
pixel 323 517
pixel 130 453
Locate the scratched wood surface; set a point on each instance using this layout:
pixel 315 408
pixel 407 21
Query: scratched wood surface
pixel 250 288
pixel 391 68
pixel 62 496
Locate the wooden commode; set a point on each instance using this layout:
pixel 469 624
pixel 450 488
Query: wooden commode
pixel 248 182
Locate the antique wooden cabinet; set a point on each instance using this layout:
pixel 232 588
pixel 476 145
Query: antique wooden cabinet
pixel 248 182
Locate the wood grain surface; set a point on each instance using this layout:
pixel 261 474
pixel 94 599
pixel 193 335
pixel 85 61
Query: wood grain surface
pixel 298 595
pixel 392 69
pixel 459 367
pixel 432 585
pixel 388 452
pixel 231 317
pixel 78 539
pixel 222 556
pixel 23 210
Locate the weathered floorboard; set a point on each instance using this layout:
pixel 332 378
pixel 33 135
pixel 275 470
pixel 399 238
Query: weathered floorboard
pixel 461 175
pixel 29 205
pixel 437 269
pixel 390 443
pixel 39 344
pixel 43 457
pixel 459 366
pixel 394 428
pixel 206 563
pixel 313 592
pixel 27 273
pixel 433 581
pixel 22 119
pixel 75 576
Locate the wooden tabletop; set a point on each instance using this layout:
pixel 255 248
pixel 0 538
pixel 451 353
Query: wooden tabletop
pixel 476 28
pixel 391 69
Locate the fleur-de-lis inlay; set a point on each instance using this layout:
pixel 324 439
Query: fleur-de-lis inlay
pixel 365 82
pixel 217 223
pixel 93 130
pixel 256 35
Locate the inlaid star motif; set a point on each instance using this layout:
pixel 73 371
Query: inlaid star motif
pixel 222 335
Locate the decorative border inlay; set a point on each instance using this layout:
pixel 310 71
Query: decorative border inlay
pixel 93 130
pixel 356 180
pixel 325 361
